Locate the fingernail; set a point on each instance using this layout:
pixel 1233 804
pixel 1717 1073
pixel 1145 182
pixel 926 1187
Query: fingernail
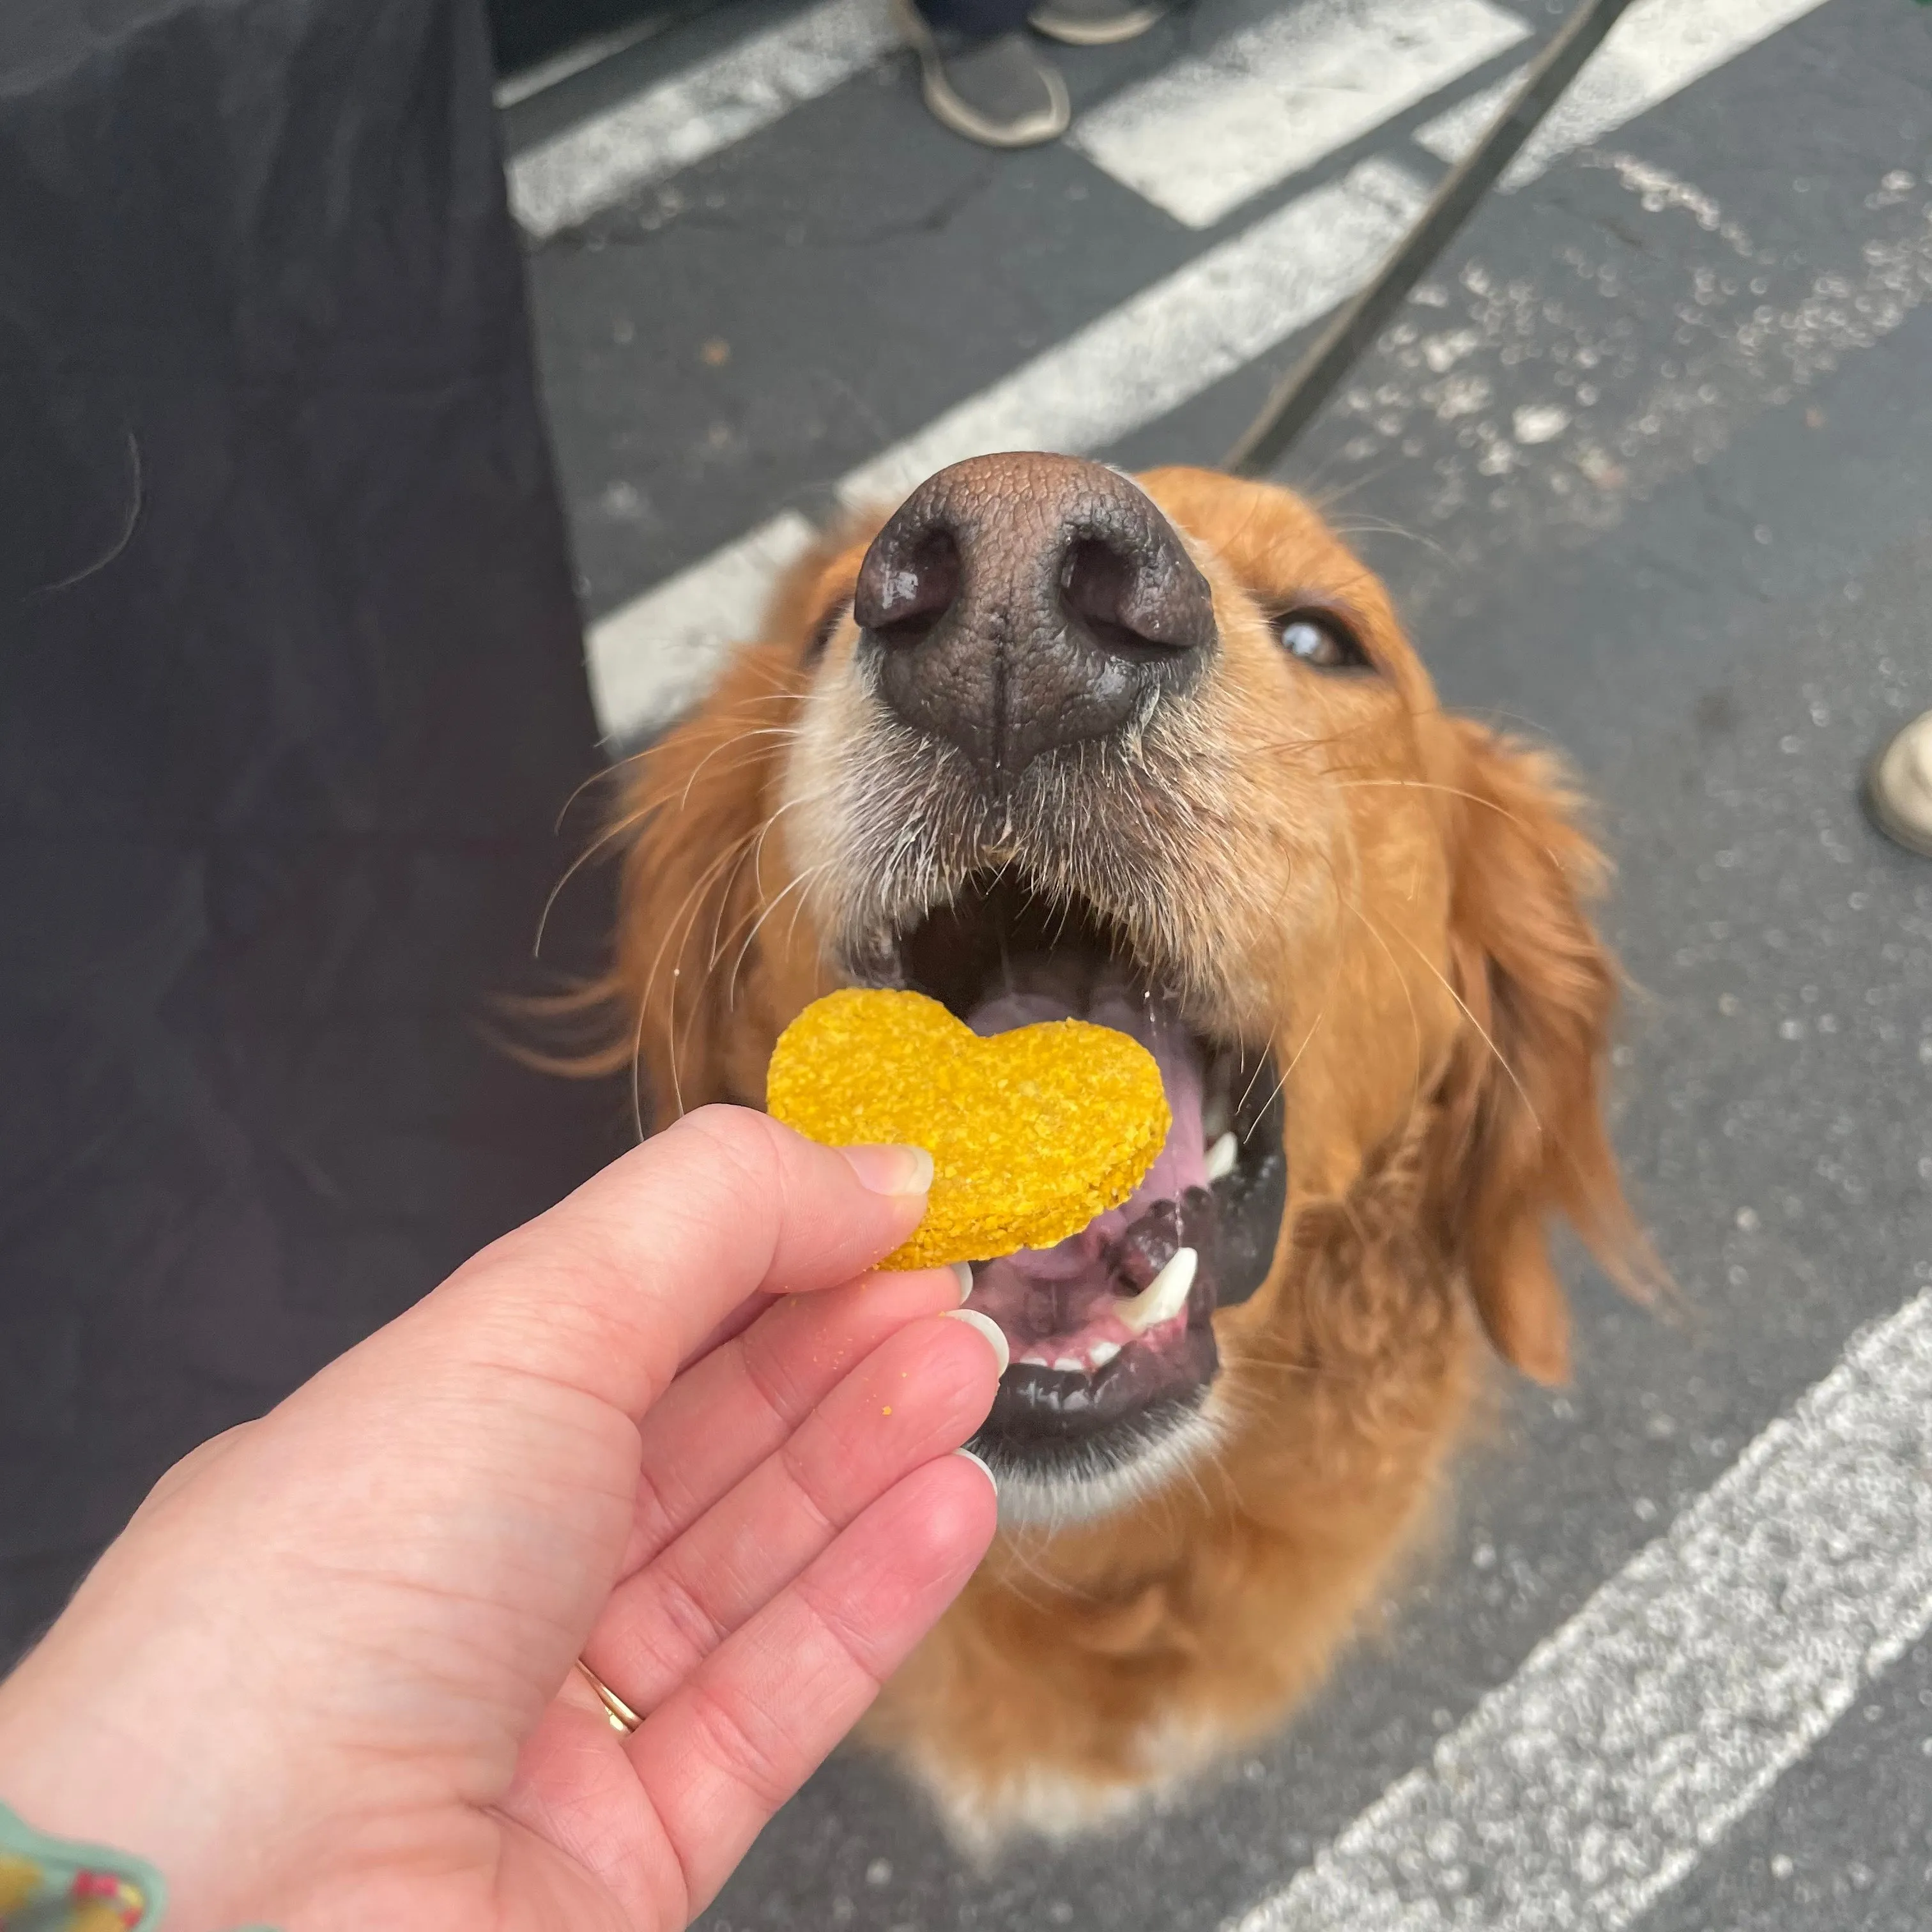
pixel 979 1463
pixel 995 1335
pixel 891 1170
pixel 962 1273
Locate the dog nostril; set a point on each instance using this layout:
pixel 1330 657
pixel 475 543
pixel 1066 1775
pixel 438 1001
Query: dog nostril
pixel 1097 588
pixel 900 603
pixel 1117 601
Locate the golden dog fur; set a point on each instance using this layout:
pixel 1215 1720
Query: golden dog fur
pixel 1393 899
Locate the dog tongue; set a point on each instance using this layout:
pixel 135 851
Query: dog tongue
pixel 1182 1162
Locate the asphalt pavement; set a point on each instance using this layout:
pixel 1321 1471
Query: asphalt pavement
pixel 1648 464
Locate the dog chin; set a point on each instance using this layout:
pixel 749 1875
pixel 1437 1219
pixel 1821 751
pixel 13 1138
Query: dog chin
pixel 1082 1483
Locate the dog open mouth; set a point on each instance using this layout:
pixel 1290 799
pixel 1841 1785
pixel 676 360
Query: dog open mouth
pixel 1111 1331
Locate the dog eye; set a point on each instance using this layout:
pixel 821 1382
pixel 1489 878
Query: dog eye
pixel 1318 638
pixel 821 635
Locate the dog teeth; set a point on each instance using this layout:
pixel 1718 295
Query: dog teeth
pixel 1221 1156
pixel 1033 1359
pixel 1164 1297
pixel 1102 1353
pixel 1070 1365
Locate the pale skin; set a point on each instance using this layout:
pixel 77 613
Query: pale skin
pixel 325 1677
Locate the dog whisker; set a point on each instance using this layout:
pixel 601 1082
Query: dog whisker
pixel 610 836
pixel 1456 791
pixel 736 741
pixel 1354 906
pixel 606 776
pixel 689 904
pixel 1482 1031
pixel 800 884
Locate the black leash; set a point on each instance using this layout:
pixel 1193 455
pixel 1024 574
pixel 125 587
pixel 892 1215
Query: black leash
pixel 1299 396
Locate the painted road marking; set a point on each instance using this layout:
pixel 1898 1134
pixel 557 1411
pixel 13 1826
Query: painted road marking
pixel 1633 1738
pixel 566 179
pixel 1156 351
pixel 1657 49
pixel 657 656
pixel 527 82
pixel 1210 133
pixel 1165 345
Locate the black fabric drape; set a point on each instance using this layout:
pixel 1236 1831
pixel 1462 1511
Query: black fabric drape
pixel 291 693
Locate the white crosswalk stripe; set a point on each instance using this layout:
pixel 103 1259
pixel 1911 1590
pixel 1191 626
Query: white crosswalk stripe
pixel 567 178
pixel 1583 1789
pixel 656 655
pixel 1132 366
pixel 1167 344
pixel 578 58
pixel 1657 49
pixel 1210 133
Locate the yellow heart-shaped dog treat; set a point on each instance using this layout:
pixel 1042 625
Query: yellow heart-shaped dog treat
pixel 1032 1132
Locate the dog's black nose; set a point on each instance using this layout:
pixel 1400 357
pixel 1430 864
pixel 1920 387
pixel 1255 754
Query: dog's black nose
pixel 1017 603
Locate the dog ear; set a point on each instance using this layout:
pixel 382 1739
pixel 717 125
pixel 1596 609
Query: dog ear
pixel 1523 1130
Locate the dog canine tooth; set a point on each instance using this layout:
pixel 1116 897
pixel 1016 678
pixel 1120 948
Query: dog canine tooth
pixel 1164 1297
pixel 1221 1156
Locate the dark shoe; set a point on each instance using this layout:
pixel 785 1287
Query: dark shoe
pixel 998 92
pixel 1898 787
pixel 1094 23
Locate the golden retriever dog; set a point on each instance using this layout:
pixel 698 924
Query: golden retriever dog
pixel 1050 740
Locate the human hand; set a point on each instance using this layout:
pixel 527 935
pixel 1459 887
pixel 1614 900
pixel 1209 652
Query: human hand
pixel 325 1677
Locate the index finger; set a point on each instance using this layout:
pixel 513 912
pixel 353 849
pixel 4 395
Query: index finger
pixel 614 1286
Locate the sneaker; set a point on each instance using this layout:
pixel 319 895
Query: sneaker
pixel 1898 787
pixel 998 92
pixel 1094 23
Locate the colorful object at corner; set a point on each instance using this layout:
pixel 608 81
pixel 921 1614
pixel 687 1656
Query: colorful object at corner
pixel 48 1885
pixel 55 1885
pixel 1032 1132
